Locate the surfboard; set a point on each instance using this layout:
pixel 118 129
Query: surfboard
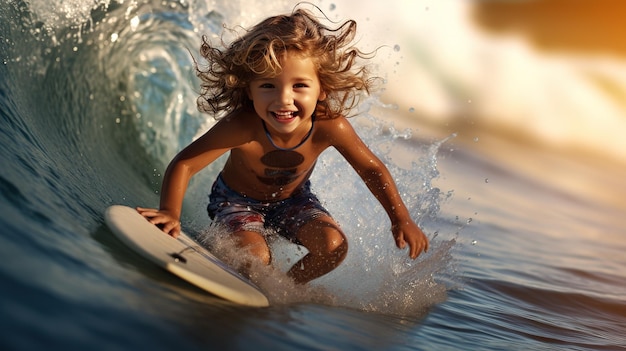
pixel 183 257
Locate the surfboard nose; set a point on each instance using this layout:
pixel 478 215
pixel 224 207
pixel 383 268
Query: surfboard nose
pixel 183 257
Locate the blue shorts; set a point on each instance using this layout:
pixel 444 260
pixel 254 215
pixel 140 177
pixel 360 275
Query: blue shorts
pixel 285 217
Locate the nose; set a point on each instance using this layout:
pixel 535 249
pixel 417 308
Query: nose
pixel 286 96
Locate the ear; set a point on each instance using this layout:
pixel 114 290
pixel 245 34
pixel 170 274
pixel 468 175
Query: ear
pixel 322 96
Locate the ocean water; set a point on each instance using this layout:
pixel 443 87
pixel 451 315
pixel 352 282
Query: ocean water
pixel 518 182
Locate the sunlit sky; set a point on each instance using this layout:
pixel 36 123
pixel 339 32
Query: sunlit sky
pixel 548 70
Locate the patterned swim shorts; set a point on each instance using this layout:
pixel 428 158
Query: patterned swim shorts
pixel 285 217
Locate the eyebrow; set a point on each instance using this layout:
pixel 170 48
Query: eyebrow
pixel 299 79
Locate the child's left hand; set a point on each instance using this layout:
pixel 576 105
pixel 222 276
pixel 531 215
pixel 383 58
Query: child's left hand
pixel 407 232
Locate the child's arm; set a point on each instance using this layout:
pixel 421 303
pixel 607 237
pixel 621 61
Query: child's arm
pixel 175 182
pixel 380 182
pixel 206 149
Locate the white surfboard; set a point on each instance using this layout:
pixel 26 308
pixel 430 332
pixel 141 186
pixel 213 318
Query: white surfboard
pixel 183 257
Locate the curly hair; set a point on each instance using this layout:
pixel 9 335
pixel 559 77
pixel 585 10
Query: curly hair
pixel 257 53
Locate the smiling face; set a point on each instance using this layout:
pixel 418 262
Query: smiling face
pixel 287 101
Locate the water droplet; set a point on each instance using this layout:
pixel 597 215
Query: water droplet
pixel 486 180
pixel 474 242
pixel 396 48
pixel 134 23
pixel 475 139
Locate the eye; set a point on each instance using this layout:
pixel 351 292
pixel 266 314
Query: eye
pixel 266 85
pixel 300 85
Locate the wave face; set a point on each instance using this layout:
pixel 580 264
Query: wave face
pixel 95 101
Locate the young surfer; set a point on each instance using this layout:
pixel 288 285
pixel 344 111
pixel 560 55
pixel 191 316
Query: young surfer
pixel 284 89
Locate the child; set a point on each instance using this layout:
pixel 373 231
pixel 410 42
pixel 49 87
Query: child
pixel 285 88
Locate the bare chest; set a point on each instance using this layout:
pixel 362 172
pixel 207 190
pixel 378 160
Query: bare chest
pixel 261 171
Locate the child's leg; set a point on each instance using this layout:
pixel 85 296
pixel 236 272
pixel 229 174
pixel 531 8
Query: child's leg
pixel 257 249
pixel 254 243
pixel 241 216
pixel 327 248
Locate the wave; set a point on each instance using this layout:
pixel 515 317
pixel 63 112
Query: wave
pixel 97 100
pixel 94 101
pixel 444 65
pixel 539 313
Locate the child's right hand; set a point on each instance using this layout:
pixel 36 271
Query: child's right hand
pixel 168 223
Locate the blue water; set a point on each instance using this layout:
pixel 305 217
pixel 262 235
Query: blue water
pixel 527 244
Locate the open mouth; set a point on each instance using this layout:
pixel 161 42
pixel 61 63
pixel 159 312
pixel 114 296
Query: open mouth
pixel 285 115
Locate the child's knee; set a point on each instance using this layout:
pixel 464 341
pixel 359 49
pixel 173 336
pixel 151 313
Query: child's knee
pixel 263 255
pixel 255 245
pixel 324 238
pixel 337 243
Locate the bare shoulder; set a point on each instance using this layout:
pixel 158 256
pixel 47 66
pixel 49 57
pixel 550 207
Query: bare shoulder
pixel 333 123
pixel 238 127
pixel 240 120
pixel 337 131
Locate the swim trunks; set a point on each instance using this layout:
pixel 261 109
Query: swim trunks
pixel 285 217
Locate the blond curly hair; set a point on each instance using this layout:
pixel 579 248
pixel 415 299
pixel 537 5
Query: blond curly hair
pixel 257 52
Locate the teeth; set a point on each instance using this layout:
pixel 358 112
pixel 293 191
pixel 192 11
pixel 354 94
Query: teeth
pixel 284 114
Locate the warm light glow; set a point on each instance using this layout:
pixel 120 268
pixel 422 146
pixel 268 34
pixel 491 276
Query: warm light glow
pixel 548 72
